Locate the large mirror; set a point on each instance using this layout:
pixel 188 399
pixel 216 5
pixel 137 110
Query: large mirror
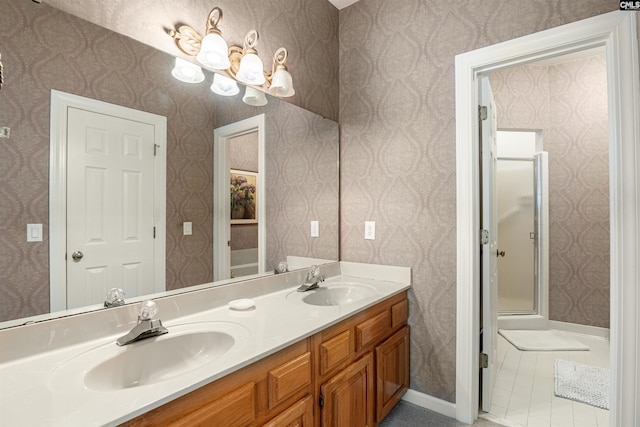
pixel 44 49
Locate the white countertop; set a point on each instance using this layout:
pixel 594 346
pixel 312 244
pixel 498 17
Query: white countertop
pixel 34 393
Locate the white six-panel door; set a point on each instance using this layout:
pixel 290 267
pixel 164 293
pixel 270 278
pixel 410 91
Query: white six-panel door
pixel 110 207
pixel 488 133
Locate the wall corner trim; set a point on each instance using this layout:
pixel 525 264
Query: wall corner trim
pixel 431 403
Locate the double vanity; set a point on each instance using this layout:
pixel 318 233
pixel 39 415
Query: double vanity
pixel 339 351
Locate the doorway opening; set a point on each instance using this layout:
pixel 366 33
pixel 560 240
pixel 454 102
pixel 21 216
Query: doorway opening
pixel 617 32
pixel 239 226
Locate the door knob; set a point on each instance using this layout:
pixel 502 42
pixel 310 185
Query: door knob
pixel 500 253
pixel 77 256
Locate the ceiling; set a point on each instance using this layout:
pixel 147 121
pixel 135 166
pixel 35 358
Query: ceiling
pixel 341 4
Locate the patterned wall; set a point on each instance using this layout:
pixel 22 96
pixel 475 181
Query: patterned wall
pixel 397 158
pixel 568 102
pixel 307 28
pixel 243 152
pixel 302 169
pixel 44 48
pixel 35 60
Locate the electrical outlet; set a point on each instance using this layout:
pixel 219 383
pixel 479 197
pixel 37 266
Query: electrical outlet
pixel 187 228
pixel 370 230
pixel 315 229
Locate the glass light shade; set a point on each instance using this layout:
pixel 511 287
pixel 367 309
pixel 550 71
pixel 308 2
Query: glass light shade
pixel 187 72
pixel 253 96
pixel 251 70
pixel 224 85
pixel 282 84
pixel 214 52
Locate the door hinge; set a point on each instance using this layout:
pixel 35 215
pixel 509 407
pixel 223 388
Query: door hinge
pixel 484 360
pixel 155 149
pixel 484 237
pixel 321 401
pixel 482 112
pixel 154 232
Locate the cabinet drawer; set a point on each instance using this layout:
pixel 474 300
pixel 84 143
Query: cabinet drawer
pixel 399 313
pixel 335 350
pixel 287 379
pixel 236 409
pixel 369 331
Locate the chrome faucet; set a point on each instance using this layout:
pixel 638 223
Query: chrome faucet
pixel 148 325
pixel 313 279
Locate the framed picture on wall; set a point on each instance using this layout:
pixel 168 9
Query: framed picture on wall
pixel 244 197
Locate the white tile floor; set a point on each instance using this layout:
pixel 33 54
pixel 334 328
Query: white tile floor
pixel 523 394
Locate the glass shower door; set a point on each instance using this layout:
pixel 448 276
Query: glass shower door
pixel 517 290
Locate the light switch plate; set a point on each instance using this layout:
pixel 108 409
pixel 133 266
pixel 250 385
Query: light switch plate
pixel 370 230
pixel 34 232
pixel 315 229
pixel 187 228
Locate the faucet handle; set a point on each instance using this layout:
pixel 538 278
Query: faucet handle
pixel 314 271
pixel 115 298
pixel 148 310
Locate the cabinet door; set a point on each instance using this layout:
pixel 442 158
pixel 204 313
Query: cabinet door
pixel 392 366
pixel 348 397
pixel 299 414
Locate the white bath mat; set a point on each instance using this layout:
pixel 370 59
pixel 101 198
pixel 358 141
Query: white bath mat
pixel 582 383
pixel 529 340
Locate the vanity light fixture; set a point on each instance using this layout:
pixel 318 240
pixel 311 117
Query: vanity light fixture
pixel 224 85
pixel 241 63
pixel 187 72
pixel 281 81
pixel 250 69
pixel 254 97
pixel 214 52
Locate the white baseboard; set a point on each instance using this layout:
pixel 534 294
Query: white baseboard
pixel 593 331
pixel 429 402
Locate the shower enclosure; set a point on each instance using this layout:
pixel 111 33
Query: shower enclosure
pixel 522 230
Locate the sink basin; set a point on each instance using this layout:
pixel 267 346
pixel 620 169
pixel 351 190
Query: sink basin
pixel 184 349
pixel 338 293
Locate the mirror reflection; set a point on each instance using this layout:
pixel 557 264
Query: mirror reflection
pixel 300 160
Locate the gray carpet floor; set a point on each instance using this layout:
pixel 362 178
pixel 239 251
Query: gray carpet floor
pixel 406 414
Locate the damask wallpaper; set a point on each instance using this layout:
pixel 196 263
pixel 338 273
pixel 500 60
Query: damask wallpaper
pixel 302 170
pixel 118 70
pixel 568 102
pixel 398 151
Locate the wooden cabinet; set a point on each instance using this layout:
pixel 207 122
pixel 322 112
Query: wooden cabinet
pixel 347 398
pixel 351 374
pixel 392 371
pixel 364 365
pixel 249 397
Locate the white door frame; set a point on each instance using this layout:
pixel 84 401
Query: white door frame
pixel 221 198
pixel 617 32
pixel 60 103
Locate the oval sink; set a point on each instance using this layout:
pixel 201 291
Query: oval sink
pixel 184 349
pixel 338 294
